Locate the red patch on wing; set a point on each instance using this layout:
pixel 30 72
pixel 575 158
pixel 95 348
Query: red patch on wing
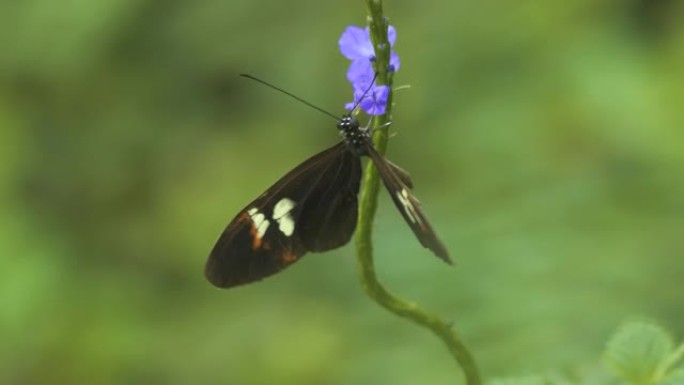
pixel 253 231
pixel 256 241
pixel 288 257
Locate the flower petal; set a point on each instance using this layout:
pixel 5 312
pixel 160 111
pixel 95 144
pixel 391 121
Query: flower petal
pixel 355 43
pixel 394 61
pixel 360 71
pixel 391 35
pixel 375 103
pixel 374 100
pixel 359 90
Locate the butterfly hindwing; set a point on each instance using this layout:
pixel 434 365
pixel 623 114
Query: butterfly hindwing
pixel 401 173
pixel 395 180
pixel 311 208
pixel 328 218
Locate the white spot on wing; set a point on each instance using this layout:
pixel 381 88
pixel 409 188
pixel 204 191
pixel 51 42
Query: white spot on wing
pixel 283 207
pixel 410 211
pixel 259 220
pixel 281 214
pixel 261 229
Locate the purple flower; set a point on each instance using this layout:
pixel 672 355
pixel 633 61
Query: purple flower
pixel 355 44
pixel 375 100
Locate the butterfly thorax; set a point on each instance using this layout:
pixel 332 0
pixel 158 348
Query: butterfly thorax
pixel 354 136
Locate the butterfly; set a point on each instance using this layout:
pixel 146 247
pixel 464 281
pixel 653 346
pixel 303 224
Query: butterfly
pixel 313 208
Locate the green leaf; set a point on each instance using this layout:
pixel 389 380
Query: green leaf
pixel 637 351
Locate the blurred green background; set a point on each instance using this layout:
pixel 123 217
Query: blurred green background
pixel 545 139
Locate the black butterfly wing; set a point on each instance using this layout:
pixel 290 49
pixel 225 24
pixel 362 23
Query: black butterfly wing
pixel 398 183
pixel 328 218
pixel 404 176
pixel 311 208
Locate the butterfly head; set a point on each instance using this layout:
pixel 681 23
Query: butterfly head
pixel 352 134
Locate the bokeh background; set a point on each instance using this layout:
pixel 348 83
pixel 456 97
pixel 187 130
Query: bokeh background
pixel 545 139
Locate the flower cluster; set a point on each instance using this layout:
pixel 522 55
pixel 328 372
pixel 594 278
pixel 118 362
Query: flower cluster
pixel 355 44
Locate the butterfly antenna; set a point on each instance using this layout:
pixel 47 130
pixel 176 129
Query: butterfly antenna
pixel 267 84
pixel 363 96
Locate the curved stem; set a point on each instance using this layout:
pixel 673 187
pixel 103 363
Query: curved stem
pixel 368 206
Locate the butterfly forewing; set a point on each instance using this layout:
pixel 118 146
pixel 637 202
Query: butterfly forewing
pixel 395 180
pixel 312 208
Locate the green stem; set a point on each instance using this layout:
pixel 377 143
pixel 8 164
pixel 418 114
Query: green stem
pixel 368 206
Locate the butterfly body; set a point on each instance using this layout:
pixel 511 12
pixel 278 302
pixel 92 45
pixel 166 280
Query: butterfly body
pixel 313 208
